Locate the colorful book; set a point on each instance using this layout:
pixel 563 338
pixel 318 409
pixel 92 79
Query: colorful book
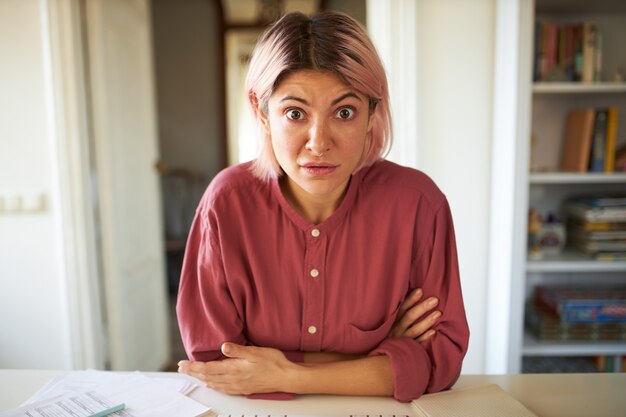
pixel 583 304
pixel 546 326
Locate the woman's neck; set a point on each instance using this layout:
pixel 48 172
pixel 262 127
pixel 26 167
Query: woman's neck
pixel 315 209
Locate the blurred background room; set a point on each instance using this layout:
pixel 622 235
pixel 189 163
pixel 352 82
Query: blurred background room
pixel 116 114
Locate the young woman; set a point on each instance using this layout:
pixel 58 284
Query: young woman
pixel 320 267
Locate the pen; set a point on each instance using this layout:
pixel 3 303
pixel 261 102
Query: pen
pixel 108 411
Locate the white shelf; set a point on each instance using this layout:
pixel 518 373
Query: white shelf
pixel 541 111
pixel 534 347
pixel 577 178
pixel 577 88
pixel 570 261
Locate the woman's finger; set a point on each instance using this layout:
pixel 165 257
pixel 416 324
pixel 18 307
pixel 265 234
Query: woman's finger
pixel 409 302
pixel 414 313
pixel 414 320
pixel 424 337
pixel 423 326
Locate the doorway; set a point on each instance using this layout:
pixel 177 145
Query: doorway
pixel 200 59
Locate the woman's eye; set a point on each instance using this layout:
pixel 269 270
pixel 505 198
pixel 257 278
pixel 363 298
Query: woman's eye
pixel 345 113
pixel 294 114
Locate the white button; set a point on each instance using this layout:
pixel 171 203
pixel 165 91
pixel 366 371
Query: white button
pixel 315 232
pixel 312 329
pixel 314 273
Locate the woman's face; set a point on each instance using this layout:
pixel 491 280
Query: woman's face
pixel 319 129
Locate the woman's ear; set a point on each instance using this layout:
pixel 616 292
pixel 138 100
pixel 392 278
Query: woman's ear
pixel 259 111
pixel 370 122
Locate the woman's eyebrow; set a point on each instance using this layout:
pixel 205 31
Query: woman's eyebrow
pixel 335 101
pixel 350 94
pixel 301 100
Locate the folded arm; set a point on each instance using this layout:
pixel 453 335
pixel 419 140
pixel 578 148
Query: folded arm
pixel 256 370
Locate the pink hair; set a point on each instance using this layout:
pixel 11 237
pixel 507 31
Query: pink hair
pixel 327 41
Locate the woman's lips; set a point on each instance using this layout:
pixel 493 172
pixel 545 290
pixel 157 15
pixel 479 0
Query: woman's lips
pixel 318 168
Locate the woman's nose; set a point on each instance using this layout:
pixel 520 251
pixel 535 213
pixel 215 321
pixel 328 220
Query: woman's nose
pixel 318 142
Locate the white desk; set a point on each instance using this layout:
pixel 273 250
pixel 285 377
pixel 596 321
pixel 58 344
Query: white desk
pixel 547 395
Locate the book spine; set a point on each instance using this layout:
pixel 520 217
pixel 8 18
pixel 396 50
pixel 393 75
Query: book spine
pixel 537 49
pixel 570 52
pixel 597 59
pixel 611 139
pixel 598 147
pixel 578 311
pixel 543 51
pixel 589 47
pixel 553 43
pixel 578 52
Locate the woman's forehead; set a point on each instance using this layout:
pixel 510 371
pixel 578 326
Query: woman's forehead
pixel 313 83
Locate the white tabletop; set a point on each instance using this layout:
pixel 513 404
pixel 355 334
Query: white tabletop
pixel 547 395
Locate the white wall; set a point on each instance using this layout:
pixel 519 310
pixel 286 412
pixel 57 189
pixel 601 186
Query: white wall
pixel 452 104
pixel 33 332
pixel 455 54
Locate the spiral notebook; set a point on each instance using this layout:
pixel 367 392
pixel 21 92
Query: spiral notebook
pixel 484 400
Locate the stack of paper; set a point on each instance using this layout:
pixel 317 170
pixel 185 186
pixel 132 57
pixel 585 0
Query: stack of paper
pixel 84 393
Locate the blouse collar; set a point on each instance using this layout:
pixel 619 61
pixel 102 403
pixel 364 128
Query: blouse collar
pixel 338 215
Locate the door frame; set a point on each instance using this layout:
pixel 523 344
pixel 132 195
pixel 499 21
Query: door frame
pixel 73 182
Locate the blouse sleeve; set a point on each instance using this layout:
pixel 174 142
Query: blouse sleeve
pixel 434 365
pixel 207 314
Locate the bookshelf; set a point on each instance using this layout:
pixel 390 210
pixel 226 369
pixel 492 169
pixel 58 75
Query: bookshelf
pixel 545 187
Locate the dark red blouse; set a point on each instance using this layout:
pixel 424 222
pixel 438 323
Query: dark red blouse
pixel 257 273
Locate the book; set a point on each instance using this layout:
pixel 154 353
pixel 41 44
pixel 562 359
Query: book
pixel 598 146
pixel 484 400
pixel 603 235
pixel 592 247
pixel 589 52
pixel 577 140
pixel 597 209
pixel 602 201
pixel 611 139
pixel 583 304
pixel 544 325
pixel 608 256
pixel 596 226
pixel 570 53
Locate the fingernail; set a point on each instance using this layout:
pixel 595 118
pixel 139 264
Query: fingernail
pixel 436 315
pixel 432 302
pixel 418 292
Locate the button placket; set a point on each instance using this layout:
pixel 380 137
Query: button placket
pixel 313 306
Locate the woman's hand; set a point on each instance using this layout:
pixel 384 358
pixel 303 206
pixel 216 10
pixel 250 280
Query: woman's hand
pixel 414 320
pixel 247 370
